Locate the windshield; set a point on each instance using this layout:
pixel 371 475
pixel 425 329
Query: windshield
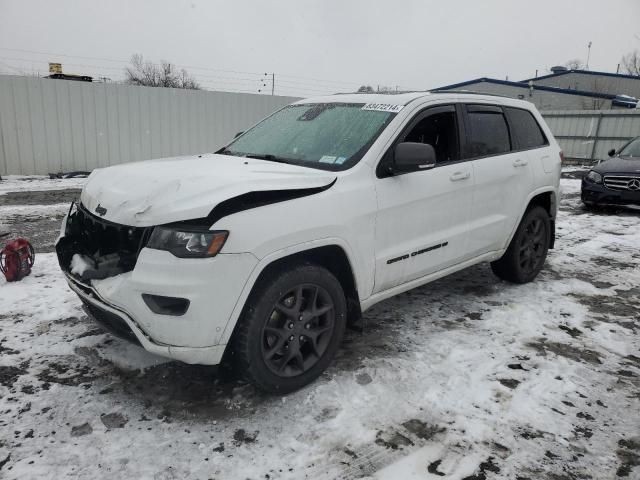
pixel 631 149
pixel 330 136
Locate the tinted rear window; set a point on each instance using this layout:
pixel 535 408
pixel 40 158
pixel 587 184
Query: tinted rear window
pixel 488 134
pixel 525 129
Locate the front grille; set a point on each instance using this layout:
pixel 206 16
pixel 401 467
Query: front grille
pixel 622 182
pixel 109 248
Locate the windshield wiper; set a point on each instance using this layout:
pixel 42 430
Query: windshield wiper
pixel 266 156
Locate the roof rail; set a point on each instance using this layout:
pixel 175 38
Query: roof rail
pixel 470 92
pixel 381 93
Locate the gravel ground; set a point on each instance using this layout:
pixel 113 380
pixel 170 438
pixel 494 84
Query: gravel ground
pixel 466 378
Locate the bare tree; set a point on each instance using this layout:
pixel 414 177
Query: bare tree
pixel 365 89
pixel 631 62
pixel 149 74
pixel 575 64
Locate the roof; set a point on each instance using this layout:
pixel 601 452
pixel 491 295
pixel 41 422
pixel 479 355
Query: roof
pixel 393 99
pixel 384 100
pixel 525 85
pixel 585 72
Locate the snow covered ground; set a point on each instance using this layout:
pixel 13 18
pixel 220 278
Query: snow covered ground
pixel 466 378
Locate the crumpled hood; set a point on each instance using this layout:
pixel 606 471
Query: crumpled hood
pixel 155 192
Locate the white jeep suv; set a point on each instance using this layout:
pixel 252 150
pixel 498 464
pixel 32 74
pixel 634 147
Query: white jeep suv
pixel 262 251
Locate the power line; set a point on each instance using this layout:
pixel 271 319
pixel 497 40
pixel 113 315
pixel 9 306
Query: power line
pixel 245 81
pixel 308 86
pixel 193 67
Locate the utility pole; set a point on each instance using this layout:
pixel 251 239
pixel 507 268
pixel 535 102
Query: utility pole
pixel 588 54
pixel 273 82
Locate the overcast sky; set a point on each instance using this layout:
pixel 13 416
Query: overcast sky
pixel 319 46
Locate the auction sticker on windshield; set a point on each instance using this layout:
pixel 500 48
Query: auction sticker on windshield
pixel 383 107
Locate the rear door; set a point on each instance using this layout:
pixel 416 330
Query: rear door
pixel 529 137
pixel 422 215
pixel 503 177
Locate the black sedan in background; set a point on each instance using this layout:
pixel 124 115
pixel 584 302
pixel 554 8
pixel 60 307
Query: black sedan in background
pixel 615 181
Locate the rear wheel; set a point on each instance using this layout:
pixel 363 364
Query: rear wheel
pixel 527 251
pixel 291 328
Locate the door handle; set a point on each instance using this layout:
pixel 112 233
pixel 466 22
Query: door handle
pixel 520 163
pixel 459 176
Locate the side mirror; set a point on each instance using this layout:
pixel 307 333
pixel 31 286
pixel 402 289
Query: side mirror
pixel 411 156
pixel 612 152
pixel 238 134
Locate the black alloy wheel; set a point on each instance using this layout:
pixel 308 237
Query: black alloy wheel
pixel 298 330
pixel 533 246
pixel 527 252
pixel 291 327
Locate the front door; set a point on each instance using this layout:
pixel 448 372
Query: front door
pixel 422 215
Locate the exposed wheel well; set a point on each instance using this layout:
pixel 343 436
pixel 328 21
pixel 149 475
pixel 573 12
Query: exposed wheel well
pixel 331 257
pixel 546 200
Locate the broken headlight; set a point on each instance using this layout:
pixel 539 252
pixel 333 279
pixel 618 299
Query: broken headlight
pixel 185 243
pixel 595 177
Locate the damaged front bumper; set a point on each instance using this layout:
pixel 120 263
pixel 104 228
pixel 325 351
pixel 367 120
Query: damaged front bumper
pixel 121 324
pixel 208 288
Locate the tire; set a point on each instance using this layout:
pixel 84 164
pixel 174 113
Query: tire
pixel 528 249
pixel 589 206
pixel 290 329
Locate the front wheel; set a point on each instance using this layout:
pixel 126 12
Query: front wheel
pixel 590 206
pixel 527 251
pixel 291 328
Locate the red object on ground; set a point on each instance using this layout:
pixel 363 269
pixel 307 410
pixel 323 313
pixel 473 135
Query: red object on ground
pixel 16 259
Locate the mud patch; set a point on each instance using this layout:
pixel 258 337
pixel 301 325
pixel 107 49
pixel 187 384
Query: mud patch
pixel 583 432
pixel 528 434
pixel 81 430
pixel 421 429
pixel 67 374
pixel 487 466
pixel 394 441
pixel 516 366
pixel 626 305
pixel 188 391
pixel 509 382
pixel 241 436
pixel 565 350
pixel 7 351
pixel 113 420
pixel 39 197
pixel 574 332
pixel 609 263
pixel 432 468
pixel 41 231
pixel 628 456
pixel 9 374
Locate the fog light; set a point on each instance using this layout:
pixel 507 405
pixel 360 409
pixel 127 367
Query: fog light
pixel 166 305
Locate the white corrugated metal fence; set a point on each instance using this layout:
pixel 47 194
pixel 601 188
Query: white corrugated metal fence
pixel 586 135
pixel 49 126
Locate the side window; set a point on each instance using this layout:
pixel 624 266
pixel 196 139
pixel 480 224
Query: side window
pixel 488 133
pixel 526 130
pixel 441 132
